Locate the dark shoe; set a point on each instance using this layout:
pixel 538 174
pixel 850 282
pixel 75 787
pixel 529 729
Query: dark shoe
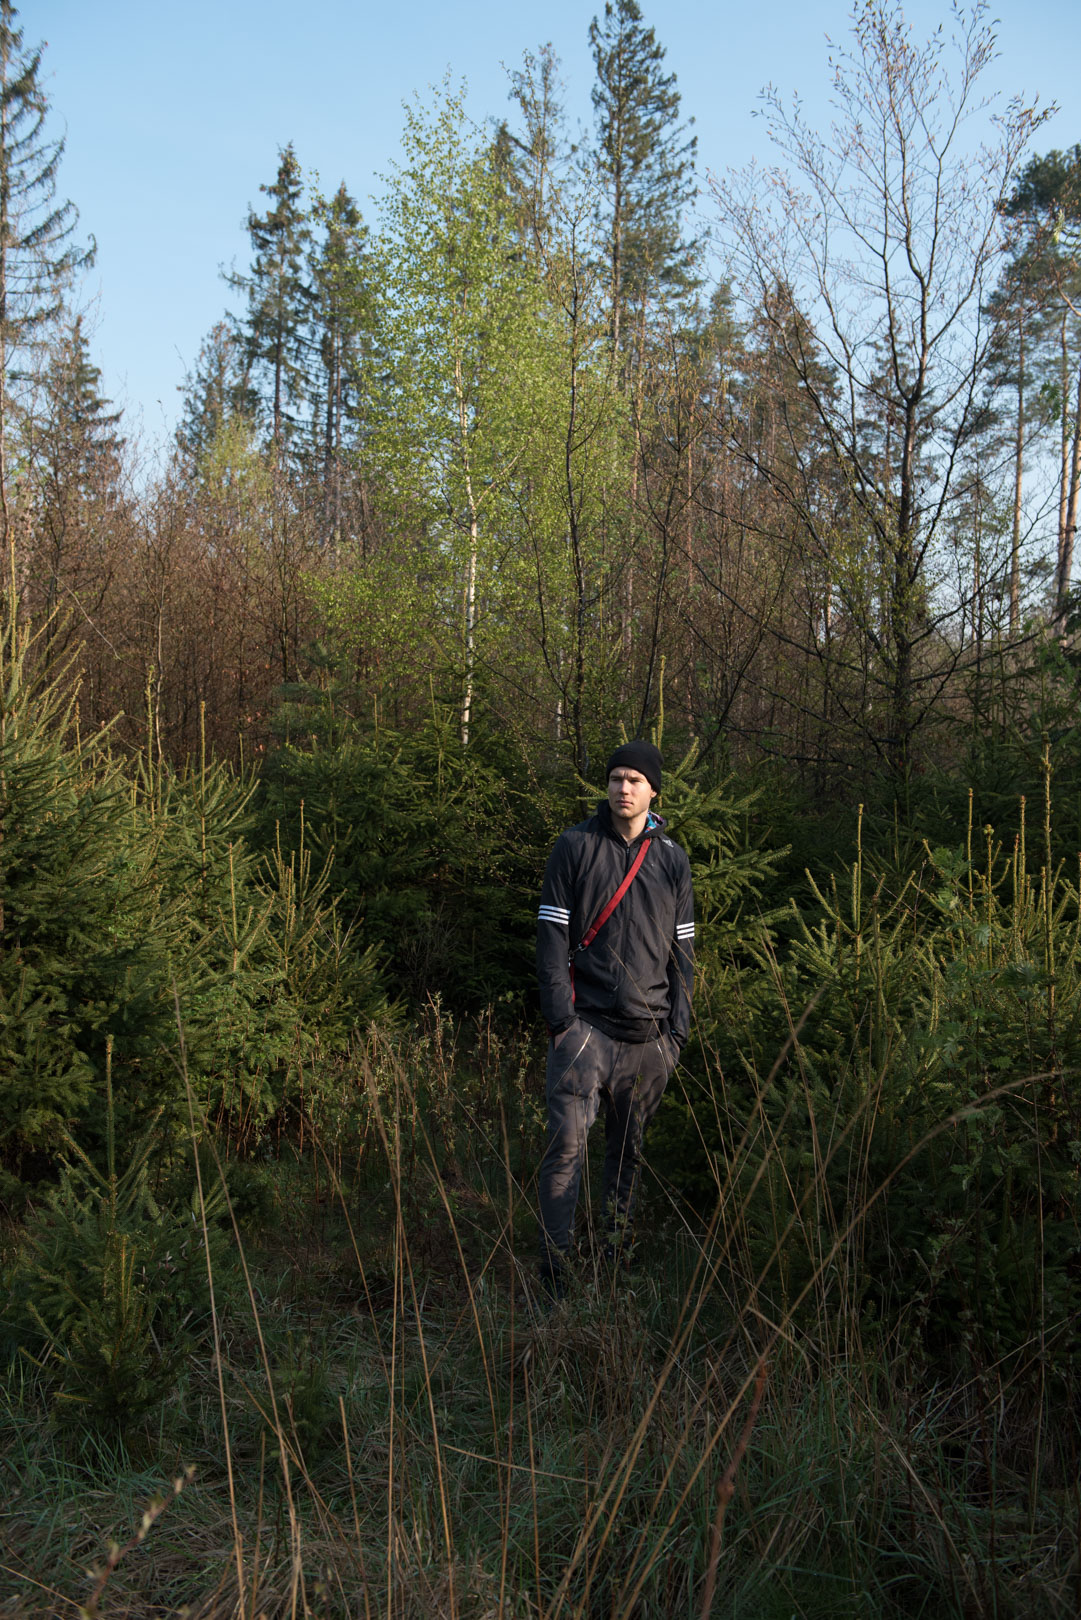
pixel 553 1283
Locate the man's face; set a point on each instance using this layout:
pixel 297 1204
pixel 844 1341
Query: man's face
pixel 629 793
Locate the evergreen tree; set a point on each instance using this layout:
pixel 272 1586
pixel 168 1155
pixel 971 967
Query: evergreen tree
pixel 1045 205
pixel 217 390
pixel 37 255
pixel 276 344
pixel 644 164
pixel 75 452
pixel 1017 367
pixel 275 329
pixel 342 318
pixel 530 160
pixel 77 416
pixel 120 894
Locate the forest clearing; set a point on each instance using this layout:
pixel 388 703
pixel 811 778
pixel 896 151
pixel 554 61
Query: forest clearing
pixel 567 446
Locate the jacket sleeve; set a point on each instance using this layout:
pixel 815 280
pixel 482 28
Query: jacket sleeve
pixel 681 960
pixel 553 940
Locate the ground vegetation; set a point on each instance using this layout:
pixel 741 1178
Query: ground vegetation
pixel 462 494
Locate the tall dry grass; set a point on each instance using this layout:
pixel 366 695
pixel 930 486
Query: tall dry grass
pixel 388 1422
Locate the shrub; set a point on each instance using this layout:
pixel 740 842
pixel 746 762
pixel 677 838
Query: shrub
pixel 134 916
pixel 108 1293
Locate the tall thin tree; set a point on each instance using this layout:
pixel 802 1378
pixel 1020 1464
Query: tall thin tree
pixel 275 328
pixel 644 162
pixel 341 319
pixel 38 257
pixel 888 235
pixel 1045 205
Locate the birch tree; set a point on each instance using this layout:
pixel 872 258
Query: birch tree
pixel 458 335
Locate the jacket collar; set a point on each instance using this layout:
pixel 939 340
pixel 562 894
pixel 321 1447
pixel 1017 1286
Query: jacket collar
pixel 654 823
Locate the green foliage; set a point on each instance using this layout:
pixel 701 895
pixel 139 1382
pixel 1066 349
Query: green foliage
pixel 81 948
pixel 644 160
pixel 109 1288
pixel 589 1457
pixel 39 258
pixel 214 432
pixel 272 984
pixel 735 878
pixel 457 324
pixel 731 870
pixel 459 422
pixel 279 300
pixel 922 1123
pixel 133 916
pixel 437 851
pixel 306 1408
pixel 522 520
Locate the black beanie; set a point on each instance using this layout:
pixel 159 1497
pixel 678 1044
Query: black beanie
pixel 638 756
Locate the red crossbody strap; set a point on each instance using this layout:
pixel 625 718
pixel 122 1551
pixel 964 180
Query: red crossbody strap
pixel 588 938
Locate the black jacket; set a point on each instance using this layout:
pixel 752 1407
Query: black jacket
pixel 635 979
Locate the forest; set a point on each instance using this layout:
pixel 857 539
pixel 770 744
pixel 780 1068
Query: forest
pixel 573 441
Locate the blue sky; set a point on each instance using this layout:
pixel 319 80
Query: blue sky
pixel 174 116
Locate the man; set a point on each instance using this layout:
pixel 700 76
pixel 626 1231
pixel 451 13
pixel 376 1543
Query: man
pixel 616 999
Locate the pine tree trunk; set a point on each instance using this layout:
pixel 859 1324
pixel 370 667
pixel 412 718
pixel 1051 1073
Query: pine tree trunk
pixel 1019 446
pixel 617 240
pixel 1064 448
pixel 1069 522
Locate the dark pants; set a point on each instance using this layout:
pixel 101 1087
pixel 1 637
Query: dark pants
pixel 584 1070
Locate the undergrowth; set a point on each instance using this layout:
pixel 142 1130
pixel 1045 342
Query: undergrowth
pixel 381 1419
pixel 271 1343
